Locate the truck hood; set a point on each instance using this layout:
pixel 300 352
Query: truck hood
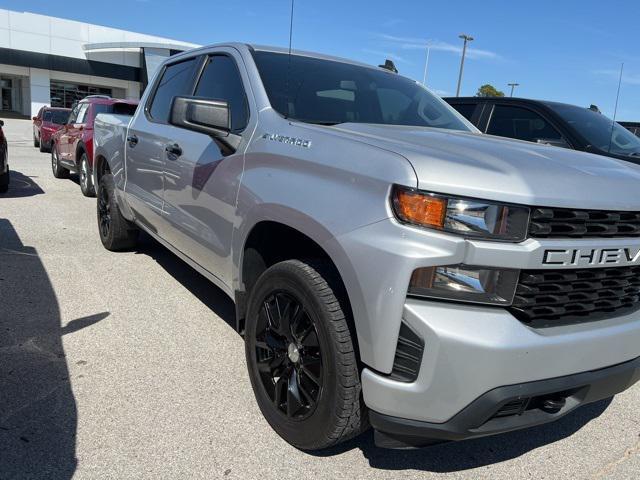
pixel 494 168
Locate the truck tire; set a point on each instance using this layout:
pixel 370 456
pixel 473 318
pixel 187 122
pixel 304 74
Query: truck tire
pixel 4 182
pixel 301 358
pixel 86 183
pixel 116 232
pixel 58 170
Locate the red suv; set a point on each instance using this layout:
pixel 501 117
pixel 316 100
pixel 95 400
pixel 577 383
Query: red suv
pixel 48 122
pixel 72 145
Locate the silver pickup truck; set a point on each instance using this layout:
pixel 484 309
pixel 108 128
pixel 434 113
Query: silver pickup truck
pixel 390 265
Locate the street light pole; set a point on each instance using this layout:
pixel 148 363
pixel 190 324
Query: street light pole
pixel 513 86
pixel 466 38
pixel 426 65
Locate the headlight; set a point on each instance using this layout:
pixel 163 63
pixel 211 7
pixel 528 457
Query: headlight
pixel 471 218
pixel 463 283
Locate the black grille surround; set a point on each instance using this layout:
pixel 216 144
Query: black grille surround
pixel 547 298
pixel 570 223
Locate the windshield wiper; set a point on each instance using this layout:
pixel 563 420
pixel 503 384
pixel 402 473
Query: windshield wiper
pixel 321 122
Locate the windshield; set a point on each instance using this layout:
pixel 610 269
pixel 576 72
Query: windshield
pixel 330 92
pixel 600 131
pixel 59 117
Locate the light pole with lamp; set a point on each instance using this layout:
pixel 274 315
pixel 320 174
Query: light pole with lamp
pixel 467 39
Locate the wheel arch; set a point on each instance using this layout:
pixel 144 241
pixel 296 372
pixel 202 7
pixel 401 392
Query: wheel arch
pixel 274 241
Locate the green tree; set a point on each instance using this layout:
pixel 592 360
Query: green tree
pixel 488 90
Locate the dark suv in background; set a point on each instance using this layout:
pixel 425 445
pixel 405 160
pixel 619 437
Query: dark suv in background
pixel 48 121
pixel 633 127
pixel 72 145
pixel 557 124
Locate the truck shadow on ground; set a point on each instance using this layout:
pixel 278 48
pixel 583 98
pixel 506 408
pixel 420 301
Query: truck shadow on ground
pixel 38 415
pixel 205 291
pixel 21 186
pixel 457 456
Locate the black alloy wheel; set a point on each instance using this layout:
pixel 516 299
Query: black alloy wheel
pixel 301 356
pixel 288 355
pixel 104 213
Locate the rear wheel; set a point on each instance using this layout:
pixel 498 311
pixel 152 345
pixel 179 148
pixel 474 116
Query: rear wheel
pixel 58 170
pixel 301 357
pixel 86 185
pixel 116 232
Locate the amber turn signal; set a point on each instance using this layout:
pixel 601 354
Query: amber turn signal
pixel 418 208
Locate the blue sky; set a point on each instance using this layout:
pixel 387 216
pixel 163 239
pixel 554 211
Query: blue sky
pixel 563 50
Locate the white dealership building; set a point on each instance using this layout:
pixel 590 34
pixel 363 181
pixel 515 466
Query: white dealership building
pixel 52 61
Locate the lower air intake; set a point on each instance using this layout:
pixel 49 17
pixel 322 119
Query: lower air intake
pixel 406 364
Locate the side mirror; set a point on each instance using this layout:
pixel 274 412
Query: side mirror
pixel 34 119
pixel 206 116
pixel 212 117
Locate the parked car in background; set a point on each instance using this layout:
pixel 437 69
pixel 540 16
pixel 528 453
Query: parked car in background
pixel 72 145
pixel 387 261
pixel 48 121
pixel 633 127
pixel 4 161
pixel 557 124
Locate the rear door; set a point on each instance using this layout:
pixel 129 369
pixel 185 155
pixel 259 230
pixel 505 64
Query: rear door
pixel 201 183
pixel 147 139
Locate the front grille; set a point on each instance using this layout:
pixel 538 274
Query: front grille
pixel 554 297
pixel 569 223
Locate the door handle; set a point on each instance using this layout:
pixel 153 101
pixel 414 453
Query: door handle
pixel 173 149
pixel 132 140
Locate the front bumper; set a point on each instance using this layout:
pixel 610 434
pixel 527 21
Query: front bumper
pixel 510 407
pixel 470 350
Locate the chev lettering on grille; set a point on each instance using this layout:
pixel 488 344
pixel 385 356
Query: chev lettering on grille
pixel 591 256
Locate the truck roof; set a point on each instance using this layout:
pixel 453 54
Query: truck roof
pixel 267 48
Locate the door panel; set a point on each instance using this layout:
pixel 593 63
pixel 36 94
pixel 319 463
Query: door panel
pixel 201 184
pixel 200 192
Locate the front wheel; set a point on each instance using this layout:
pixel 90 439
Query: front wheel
pixel 58 170
pixel 301 359
pixel 36 141
pixel 86 185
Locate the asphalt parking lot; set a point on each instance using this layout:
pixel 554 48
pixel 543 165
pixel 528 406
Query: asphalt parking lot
pixel 126 366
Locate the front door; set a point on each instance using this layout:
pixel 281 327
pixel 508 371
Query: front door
pixel 202 177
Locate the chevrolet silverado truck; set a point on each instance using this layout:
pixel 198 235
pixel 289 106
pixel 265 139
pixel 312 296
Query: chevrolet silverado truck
pixel 390 265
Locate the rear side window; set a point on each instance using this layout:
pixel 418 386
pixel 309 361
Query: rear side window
pixel 221 80
pixel 521 123
pixel 465 109
pixel 82 113
pixel 177 80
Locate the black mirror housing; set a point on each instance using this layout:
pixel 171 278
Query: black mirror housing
pixel 212 117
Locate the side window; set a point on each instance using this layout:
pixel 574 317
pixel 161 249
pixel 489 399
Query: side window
pixel 465 109
pixel 82 113
pixel 73 115
pixel 221 80
pixel 521 123
pixel 177 80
